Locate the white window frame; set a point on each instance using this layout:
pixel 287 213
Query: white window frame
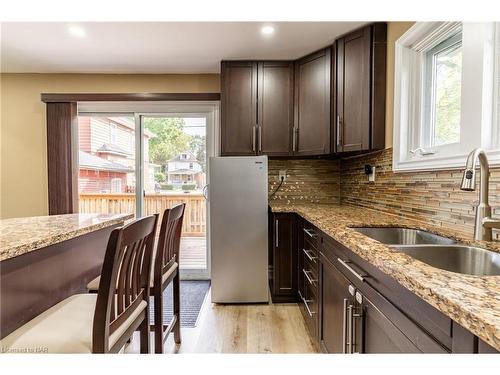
pixel 477 110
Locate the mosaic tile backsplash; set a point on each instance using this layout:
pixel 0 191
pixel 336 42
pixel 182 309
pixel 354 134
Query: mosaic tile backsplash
pixel 433 196
pixel 308 181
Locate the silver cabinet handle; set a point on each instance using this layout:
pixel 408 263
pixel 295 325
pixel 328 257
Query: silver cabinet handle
pixel 300 296
pixel 276 227
pixel 348 267
pixel 350 323
pixel 294 138
pixel 311 280
pixel 344 327
pixel 310 233
pixel 339 130
pixel 259 129
pixel 356 315
pixel 253 138
pixel 309 256
pixel 306 301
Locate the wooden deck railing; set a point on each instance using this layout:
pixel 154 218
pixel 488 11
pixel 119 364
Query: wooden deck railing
pixel 194 217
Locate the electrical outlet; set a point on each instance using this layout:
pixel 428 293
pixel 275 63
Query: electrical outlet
pixel 282 174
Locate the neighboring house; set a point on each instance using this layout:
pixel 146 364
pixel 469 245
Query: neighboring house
pixel 107 155
pixel 185 169
pixel 98 175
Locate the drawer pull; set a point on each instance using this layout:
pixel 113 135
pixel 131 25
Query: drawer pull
pixel 309 256
pixel 310 233
pixel 311 280
pixel 306 301
pixel 350 269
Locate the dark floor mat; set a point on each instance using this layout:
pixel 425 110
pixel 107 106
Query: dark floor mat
pixel 193 294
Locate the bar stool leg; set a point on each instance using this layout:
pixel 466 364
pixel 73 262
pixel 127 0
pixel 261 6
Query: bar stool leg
pixel 177 308
pixel 144 333
pixel 158 298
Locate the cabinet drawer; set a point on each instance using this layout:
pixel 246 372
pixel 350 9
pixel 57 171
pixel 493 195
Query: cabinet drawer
pixel 309 307
pixel 310 259
pixel 311 234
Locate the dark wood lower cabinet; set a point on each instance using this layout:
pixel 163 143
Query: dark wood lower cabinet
pixel 335 299
pixel 284 258
pixel 348 305
pixel 377 334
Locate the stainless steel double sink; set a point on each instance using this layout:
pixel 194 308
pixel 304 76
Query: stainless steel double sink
pixel 437 251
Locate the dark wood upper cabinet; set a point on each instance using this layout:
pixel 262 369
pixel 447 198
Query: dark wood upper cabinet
pixel 275 107
pixel 312 104
pixel 257 108
pixel 360 89
pixel 239 108
pixel 331 101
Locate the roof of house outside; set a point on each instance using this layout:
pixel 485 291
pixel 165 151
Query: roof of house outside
pixel 110 148
pixel 190 157
pixel 88 161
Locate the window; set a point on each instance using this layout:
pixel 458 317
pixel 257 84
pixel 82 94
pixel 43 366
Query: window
pixel 443 79
pixel 190 165
pixel 116 185
pixel 444 95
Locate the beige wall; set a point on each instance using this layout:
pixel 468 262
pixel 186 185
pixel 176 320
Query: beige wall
pixel 394 31
pixel 23 185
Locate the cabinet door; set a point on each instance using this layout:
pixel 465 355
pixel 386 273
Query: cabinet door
pixel 353 91
pixel 239 108
pixel 312 104
pixel 377 334
pixel 275 108
pixel 335 300
pixel 285 256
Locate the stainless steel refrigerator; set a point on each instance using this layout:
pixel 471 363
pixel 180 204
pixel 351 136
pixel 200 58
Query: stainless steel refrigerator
pixel 238 228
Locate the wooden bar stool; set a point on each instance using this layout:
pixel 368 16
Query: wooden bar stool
pixel 166 270
pixel 102 322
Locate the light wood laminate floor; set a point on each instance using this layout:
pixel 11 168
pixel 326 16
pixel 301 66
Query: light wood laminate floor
pixel 257 328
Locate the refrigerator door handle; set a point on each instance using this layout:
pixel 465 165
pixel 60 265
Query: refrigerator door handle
pixel 205 192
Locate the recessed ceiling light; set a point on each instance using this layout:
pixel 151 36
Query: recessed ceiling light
pixel 267 30
pixel 76 31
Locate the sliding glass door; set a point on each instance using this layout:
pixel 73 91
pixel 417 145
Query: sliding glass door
pixel 107 163
pixel 175 172
pixel 145 160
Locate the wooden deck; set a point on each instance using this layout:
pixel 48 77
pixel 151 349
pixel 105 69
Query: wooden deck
pixel 193 253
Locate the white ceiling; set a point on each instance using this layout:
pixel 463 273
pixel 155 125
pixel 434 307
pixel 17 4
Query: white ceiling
pixel 156 47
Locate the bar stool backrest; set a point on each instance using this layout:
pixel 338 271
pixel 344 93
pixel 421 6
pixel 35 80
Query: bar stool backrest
pixel 124 279
pixel 169 241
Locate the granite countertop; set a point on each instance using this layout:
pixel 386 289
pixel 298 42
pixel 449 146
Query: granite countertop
pixel 472 301
pixel 21 235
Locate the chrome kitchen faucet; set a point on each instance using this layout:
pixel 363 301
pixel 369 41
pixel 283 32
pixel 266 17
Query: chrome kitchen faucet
pixel 484 222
